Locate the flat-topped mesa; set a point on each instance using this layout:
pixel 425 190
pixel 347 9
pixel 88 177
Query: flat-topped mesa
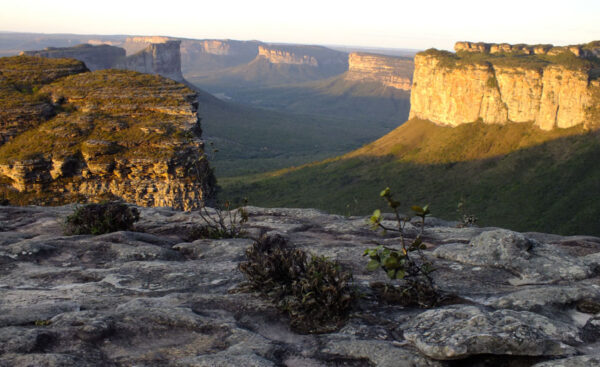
pixel 281 56
pixel 216 47
pixel 109 134
pixel 158 58
pixel 395 72
pixel 587 50
pixel 138 43
pixel 524 85
pixel 162 58
pixel 95 57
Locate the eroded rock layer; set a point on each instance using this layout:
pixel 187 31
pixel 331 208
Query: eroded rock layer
pixel 395 72
pixel 104 134
pixel 553 90
pixel 161 297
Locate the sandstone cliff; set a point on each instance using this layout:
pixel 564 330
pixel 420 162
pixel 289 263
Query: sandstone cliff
pixel 107 133
pixel 315 56
pixel 480 84
pixel 95 57
pixel 395 72
pixel 159 55
pixel 158 58
pixel 278 56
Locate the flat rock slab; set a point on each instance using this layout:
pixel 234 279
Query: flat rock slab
pixel 158 297
pixel 461 331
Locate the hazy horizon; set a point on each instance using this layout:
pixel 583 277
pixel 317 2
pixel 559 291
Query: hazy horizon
pixel 380 24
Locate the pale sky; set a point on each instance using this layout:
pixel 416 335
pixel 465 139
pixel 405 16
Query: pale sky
pixel 372 23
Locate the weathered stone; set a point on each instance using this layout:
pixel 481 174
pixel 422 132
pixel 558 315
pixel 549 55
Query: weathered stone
pixel 379 353
pixel 580 361
pixel 152 298
pixel 462 331
pixel 533 262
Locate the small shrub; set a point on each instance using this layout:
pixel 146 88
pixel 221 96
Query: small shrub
pixel 465 219
pixel 314 292
pixel 225 223
pixel 101 218
pixel 407 264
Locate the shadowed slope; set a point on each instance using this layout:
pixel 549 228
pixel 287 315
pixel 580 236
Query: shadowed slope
pixel 525 179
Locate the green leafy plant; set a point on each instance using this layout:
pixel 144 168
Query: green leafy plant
pixel 101 218
pixel 222 223
pixel 407 263
pixel 312 290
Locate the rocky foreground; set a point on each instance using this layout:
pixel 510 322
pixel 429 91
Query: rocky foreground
pixel 151 298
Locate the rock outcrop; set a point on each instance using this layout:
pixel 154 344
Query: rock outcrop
pixel 591 49
pixel 281 56
pixel 158 297
pixel 136 44
pixel 158 58
pixel 95 57
pixel 159 55
pixel 105 134
pixel 478 84
pixel 395 72
pixel 314 56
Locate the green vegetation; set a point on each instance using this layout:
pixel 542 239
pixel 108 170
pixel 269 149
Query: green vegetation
pixel 514 176
pixel 101 218
pixel 314 292
pixel 536 62
pixel 407 263
pixel 254 140
pixel 103 107
pixel 224 223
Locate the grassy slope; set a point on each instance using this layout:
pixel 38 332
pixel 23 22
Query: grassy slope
pixel 548 185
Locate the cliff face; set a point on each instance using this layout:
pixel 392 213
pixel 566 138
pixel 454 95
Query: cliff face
pixel 136 44
pixel 278 56
pixel 551 91
pixel 158 58
pixel 94 57
pixel 112 134
pixel 395 72
pixel 159 55
pixel 200 57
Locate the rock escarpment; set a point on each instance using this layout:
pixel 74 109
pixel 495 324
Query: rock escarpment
pixel 553 89
pixel 106 134
pixel 156 297
pixel 280 56
pixel 95 57
pixel 325 59
pixel 395 72
pixel 158 58
pixel 158 55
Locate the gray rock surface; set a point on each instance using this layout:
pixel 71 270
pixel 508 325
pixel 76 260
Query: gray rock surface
pixel 156 297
